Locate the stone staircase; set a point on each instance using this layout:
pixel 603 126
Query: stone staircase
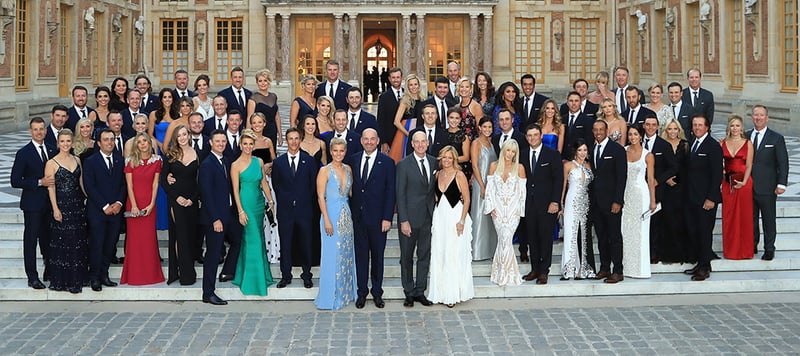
pixel 781 274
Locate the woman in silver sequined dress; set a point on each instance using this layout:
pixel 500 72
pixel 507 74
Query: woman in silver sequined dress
pixel 575 200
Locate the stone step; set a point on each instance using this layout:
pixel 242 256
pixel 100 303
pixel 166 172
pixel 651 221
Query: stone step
pixel 661 284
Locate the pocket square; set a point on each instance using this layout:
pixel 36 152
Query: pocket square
pixel 769 146
pixel 659 153
pixel 578 127
pixel 702 154
pixel 608 157
pixel 544 164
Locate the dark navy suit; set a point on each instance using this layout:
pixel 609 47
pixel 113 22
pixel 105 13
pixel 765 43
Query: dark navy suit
pixel 73 116
pixel 50 139
pixel 27 170
pixel 535 109
pixel 149 105
pixel 372 202
pixel 543 187
pixel 516 135
pixel 642 113
pixel 233 103
pixel 210 124
pixel 103 187
pixel 703 183
pixel 353 141
pixel 607 188
pixel 127 123
pixel 365 121
pixel 339 97
pixel 439 140
pixel 177 96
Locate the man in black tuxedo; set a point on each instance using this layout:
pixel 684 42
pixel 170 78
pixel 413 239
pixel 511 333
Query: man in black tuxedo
pixel 236 95
pixel 104 181
pixel 232 133
pixel 372 204
pixel 440 102
pixel 576 124
pixel 506 122
pixel 621 76
pixel 27 173
pixel 545 176
pixel 635 113
pixel 201 145
pixel 215 213
pixel 58 117
pixel 610 165
pixel 388 102
pixel 700 100
pixel 532 101
pixel 294 176
pixel 79 109
pixel 665 166
pixel 149 101
pixel 588 108
pixel 770 176
pixel 129 114
pixel 437 136
pixel 453 75
pixel 220 119
pixel 703 194
pixel 340 131
pixel 181 85
pixel 415 199
pixel 680 110
pixel 115 125
pixel 334 86
pixel 357 118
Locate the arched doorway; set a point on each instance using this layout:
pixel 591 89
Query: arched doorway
pixel 378 55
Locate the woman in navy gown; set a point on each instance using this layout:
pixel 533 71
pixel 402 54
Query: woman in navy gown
pixel 305 104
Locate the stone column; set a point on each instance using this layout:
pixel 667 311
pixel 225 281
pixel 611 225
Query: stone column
pixel 487 42
pixel 354 48
pixel 271 43
pixel 421 46
pixel 474 57
pixel 338 37
pixel 285 46
pixel 406 63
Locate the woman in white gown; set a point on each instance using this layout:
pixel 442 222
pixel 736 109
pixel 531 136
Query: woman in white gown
pixel 505 201
pixel 451 234
pixel 640 196
pixel 575 200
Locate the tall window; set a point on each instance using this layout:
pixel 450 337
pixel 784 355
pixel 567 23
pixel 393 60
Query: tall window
pixel 789 81
pixel 583 42
pixel 21 67
pixel 314 47
pixel 529 48
pixel 445 45
pixel 737 47
pixel 63 51
pixel 174 47
pixel 695 36
pixel 377 56
pixel 229 47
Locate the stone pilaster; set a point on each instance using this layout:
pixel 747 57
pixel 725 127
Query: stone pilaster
pixel 271 43
pixel 355 48
pixel 487 42
pixel 421 46
pixel 338 39
pixel 406 30
pixel 286 67
pixel 474 57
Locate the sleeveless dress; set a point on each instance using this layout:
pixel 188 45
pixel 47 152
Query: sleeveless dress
pixel 451 255
pixel 304 109
pixel 337 280
pixel 484 237
pixel 68 264
pixel 507 199
pixel 316 245
pixel 675 244
pixel 635 231
pixel 456 139
pixel 252 269
pixel 551 140
pixel 468 122
pixel 737 207
pixel 206 107
pixel 142 266
pixel 162 217
pixel 576 233
pixel 271 238
pixel 183 230
pixel 397 150
pixel 267 105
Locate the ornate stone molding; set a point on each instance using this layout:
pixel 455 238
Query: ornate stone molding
pixel 669 25
pixel 200 36
pixel 7 15
pixel 88 34
pixel 754 18
pixel 558 36
pixel 707 26
pixel 641 29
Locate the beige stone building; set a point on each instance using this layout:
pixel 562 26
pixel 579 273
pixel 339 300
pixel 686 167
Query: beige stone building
pixel 747 49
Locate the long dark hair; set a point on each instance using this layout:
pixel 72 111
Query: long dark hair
pixel 173 111
pixel 489 86
pixel 302 125
pixel 501 102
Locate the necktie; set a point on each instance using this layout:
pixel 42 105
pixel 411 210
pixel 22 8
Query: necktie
pixel 675 111
pixel 571 120
pixel 632 117
pixel 110 164
pixel 365 170
pixel 647 143
pixel 219 124
pixel 505 138
pixel 330 90
pixel 755 142
pixel 695 99
pixel 235 144
pixel 43 153
pixel 292 165
pixel 694 147
pixel 399 96
pixel 352 121
pixel 533 162
pixel 241 99
pixel 527 107
pixel 597 149
pixel 83 113
pixel 424 171
pixel 144 101
pixel 224 169
pixel 134 114
pixel 443 114
pixel 196 146
pixel 119 143
pixel 338 135
pixel 430 140
pixel 621 100
pixel 183 93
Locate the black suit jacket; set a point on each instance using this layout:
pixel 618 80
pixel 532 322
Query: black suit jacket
pixel 582 127
pixel 590 109
pixel 516 135
pixel 177 97
pixel 684 117
pixel 665 164
pixel 230 98
pixel 624 105
pixel 127 123
pixel 340 97
pixel 705 106
pixel 374 197
pixel 421 105
pixel 704 169
pixel 295 192
pixel 103 187
pixel 205 147
pixel 610 175
pixel 536 110
pixel 439 141
pixel 150 105
pixel 353 142
pixel 543 185
pixel 26 172
pixel 50 139
pixel 770 163
pixel 210 124
pixel 641 114
pixel 365 121
pixel 387 109
pixel 73 116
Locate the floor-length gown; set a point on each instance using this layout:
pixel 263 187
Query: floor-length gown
pixel 316 246
pixel 551 140
pixel 337 280
pixel 142 265
pixel 507 199
pixel 675 245
pixel 252 270
pixel 271 238
pixel 484 236
pixel 268 105
pixel 162 219
pixel 635 231
pixel 68 264
pixel 397 149
pixel 737 207
pixel 574 262
pixel 183 220
pixel 451 255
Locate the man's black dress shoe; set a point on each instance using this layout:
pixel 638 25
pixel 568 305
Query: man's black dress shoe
pixel 284 282
pixel 701 275
pixel 225 277
pixel 36 284
pixel 768 255
pixel 222 260
pixel 691 270
pixel 201 260
pixel 96 286
pixel 524 258
pixel 409 302
pixel 424 301
pixel 213 299
pixel 379 302
pixel 115 260
pixel 360 302
pixel 108 283
pixel 307 283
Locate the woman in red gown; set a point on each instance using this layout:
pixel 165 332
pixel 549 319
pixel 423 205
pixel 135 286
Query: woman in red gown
pixel 737 192
pixel 142 169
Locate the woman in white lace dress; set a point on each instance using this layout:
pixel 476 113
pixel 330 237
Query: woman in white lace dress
pixel 505 201
pixel 575 200
pixel 640 197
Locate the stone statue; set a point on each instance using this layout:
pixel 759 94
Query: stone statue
pixel 642 20
pixel 139 25
pixel 705 10
pixel 88 18
pixel 748 6
pixel 10 6
pixel 116 23
pixel 669 21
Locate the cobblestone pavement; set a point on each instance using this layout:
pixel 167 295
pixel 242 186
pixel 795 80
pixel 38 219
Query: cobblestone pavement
pixel 668 325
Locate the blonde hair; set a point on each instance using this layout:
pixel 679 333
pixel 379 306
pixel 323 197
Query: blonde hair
pixel 471 87
pixel 407 99
pixel 451 150
pixel 135 157
pixel 665 135
pixel 338 142
pixel 600 115
pixel 306 78
pixel 510 144
pixel 247 133
pixel 556 117
pixel 264 73
pixel 329 118
pixel 732 118
pixel 79 145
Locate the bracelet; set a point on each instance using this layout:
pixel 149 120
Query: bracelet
pixel 461 222
pixel 271 202
pixel 241 212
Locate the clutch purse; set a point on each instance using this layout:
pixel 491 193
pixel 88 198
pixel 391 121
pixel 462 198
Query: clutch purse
pixel 731 178
pixel 270 217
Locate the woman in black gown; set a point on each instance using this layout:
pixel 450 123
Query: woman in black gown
pixel 266 102
pixel 69 244
pixel 674 245
pixel 179 179
pixel 460 140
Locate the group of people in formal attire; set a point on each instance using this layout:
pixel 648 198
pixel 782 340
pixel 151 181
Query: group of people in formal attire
pixel 468 172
